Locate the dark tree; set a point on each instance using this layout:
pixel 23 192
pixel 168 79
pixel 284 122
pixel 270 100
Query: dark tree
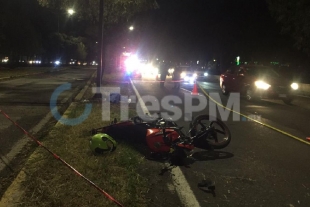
pixel 2 22
pixel 87 17
pixel 19 36
pixel 294 16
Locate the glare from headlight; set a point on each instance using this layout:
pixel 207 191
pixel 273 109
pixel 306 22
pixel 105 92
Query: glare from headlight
pixel 262 85
pixel 183 75
pixel 294 86
pixel 155 70
pixel 132 62
pixel 205 74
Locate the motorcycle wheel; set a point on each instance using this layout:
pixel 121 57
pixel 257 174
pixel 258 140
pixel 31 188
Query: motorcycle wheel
pixel 219 136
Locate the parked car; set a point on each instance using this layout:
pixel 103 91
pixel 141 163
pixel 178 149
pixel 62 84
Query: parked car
pixel 257 82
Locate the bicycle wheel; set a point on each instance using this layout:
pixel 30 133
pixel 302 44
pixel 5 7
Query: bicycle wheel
pixel 217 137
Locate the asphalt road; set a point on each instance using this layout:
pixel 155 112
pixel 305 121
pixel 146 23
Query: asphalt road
pixel 27 101
pixel 263 165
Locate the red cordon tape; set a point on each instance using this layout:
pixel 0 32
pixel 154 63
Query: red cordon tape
pixel 63 161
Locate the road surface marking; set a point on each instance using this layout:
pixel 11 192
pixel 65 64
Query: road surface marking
pixel 19 145
pixel 254 120
pixel 180 183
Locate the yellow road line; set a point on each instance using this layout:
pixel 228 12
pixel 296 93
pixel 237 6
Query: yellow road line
pixel 266 125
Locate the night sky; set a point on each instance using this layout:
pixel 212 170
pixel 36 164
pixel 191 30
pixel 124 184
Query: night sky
pixel 180 30
pixel 206 29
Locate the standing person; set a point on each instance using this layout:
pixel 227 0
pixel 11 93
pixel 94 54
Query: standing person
pixel 177 77
pixel 163 73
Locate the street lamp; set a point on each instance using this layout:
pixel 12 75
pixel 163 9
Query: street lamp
pixel 130 37
pixel 70 11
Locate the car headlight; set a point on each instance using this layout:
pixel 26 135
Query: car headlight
pixel 262 85
pixel 294 86
pixel 205 74
pixel 183 75
pixel 195 75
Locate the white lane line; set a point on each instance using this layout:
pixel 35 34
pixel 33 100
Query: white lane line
pixel 180 183
pixel 21 143
pixel 5 160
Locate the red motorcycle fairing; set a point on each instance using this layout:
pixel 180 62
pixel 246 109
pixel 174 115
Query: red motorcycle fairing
pixel 155 139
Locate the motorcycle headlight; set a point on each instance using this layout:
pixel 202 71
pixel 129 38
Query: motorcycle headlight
pixel 262 85
pixel 205 74
pixel 195 75
pixel 294 86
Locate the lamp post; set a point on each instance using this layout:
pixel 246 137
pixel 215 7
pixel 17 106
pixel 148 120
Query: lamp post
pixel 70 12
pixel 130 38
pixel 100 47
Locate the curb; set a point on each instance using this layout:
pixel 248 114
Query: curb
pixel 78 97
pixel 14 192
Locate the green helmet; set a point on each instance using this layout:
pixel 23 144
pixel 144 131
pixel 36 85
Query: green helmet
pixel 101 143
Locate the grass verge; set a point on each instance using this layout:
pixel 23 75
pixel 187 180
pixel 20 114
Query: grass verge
pixel 50 183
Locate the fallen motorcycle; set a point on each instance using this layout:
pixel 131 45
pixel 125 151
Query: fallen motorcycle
pixel 165 139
